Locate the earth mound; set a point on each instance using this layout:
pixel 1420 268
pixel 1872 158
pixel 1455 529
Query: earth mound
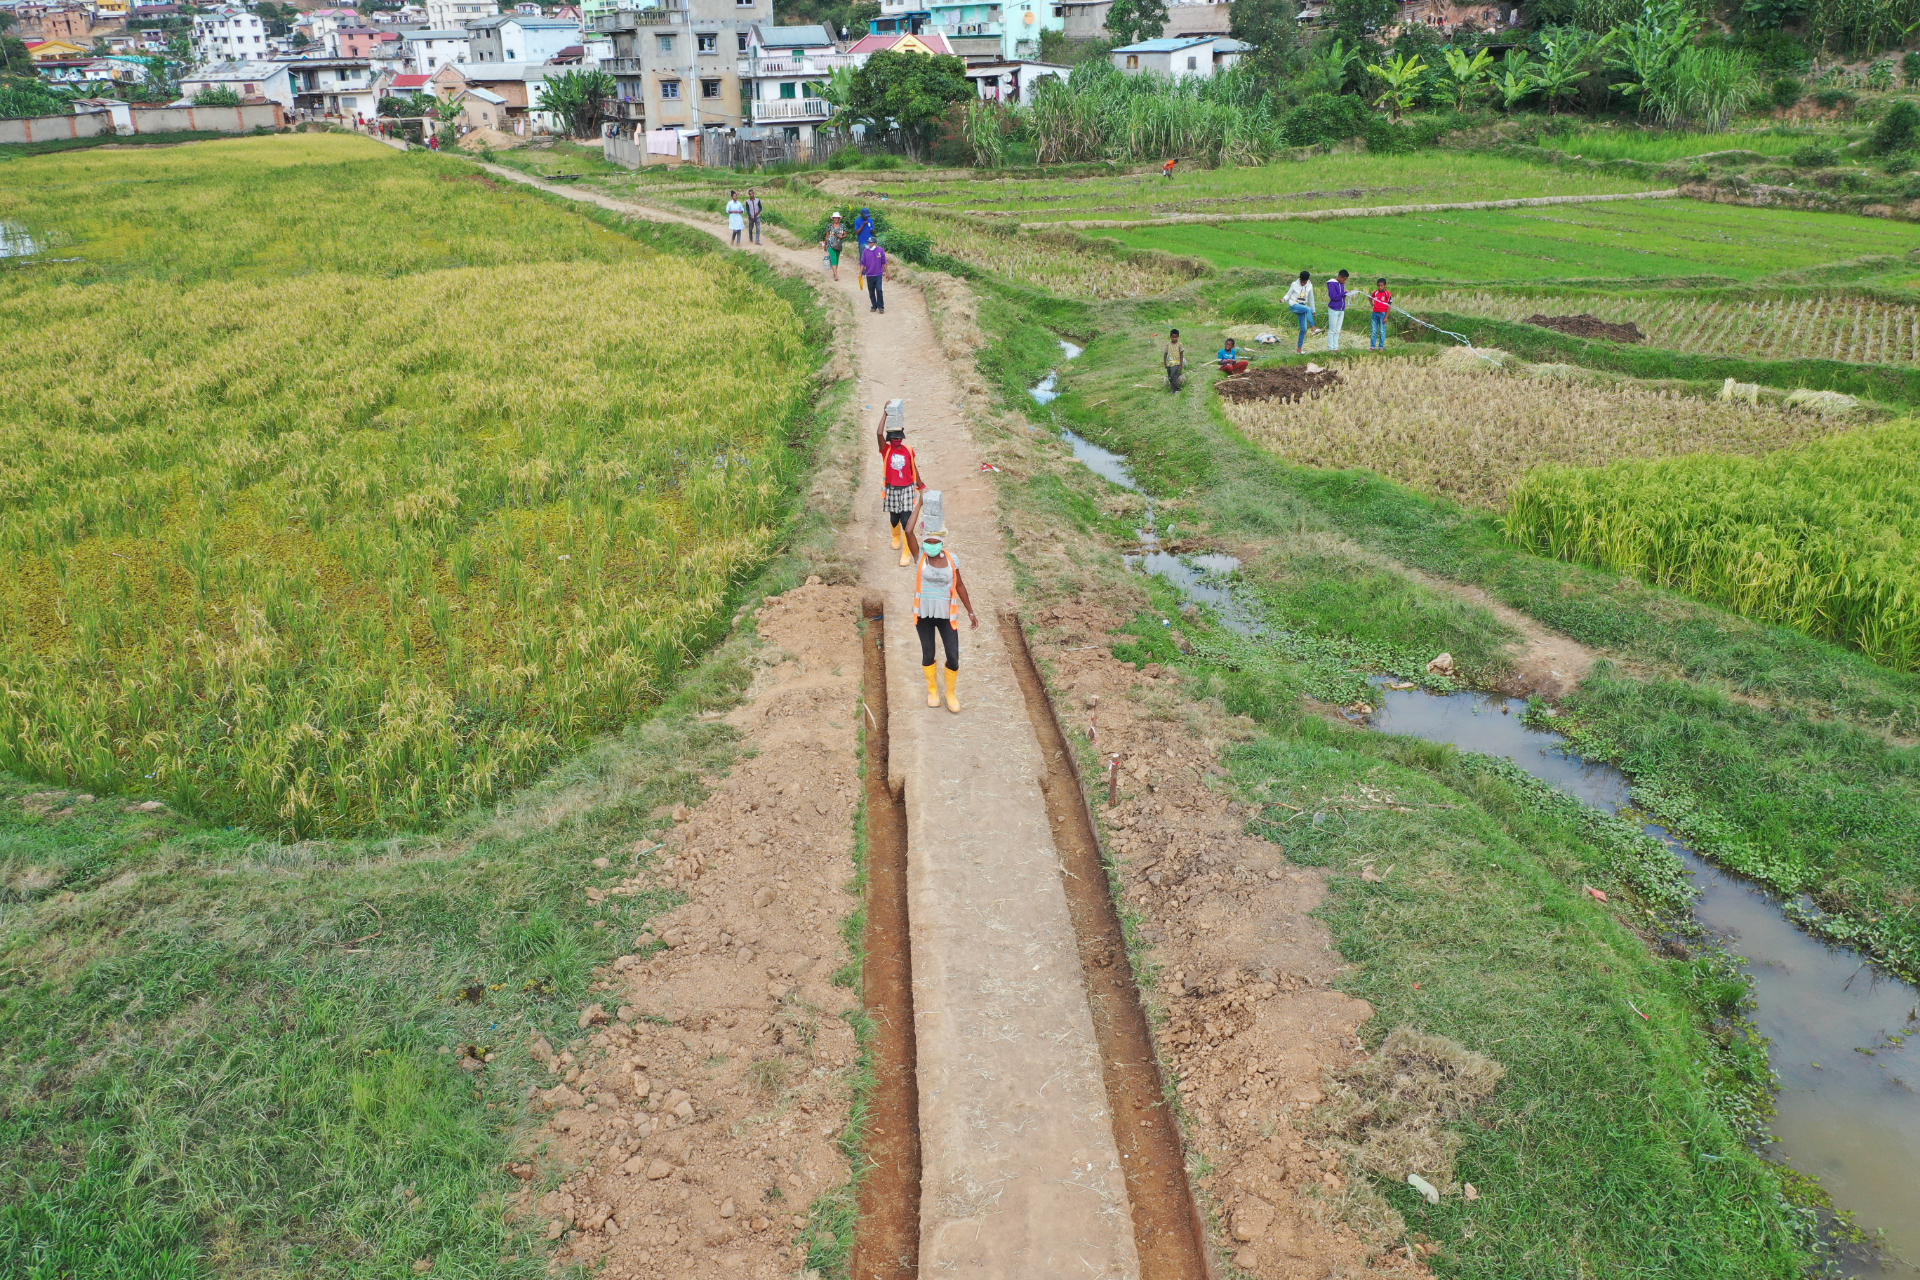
pixel 1586 326
pixel 1277 382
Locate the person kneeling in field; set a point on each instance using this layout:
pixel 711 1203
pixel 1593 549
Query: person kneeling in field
pixel 1231 361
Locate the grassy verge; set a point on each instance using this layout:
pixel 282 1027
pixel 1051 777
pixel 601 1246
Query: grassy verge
pixel 227 1054
pixel 1617 1145
pixel 11 149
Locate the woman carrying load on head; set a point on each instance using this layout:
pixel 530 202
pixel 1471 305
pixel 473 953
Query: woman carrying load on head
pixel 900 473
pixel 939 595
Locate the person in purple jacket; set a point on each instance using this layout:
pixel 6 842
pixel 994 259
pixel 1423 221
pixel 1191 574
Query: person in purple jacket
pixel 1336 309
pixel 873 265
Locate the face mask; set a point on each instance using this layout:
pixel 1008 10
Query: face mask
pixel 934 548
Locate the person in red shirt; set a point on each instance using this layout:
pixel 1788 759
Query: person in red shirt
pixel 901 476
pixel 1382 303
pixel 1167 168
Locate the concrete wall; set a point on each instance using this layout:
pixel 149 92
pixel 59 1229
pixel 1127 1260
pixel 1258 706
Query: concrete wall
pixel 145 120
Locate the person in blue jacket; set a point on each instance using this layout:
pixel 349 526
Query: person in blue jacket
pixel 863 227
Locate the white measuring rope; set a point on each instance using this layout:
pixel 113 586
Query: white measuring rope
pixel 1462 338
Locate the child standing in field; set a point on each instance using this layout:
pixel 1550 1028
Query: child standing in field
pixel 754 210
pixel 1300 302
pixel 1336 309
pixel 736 216
pixel 1382 298
pixel 1174 358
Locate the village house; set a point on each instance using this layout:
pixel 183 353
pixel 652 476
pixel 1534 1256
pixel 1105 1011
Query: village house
pixel 271 81
pixel 333 86
pixel 977 30
pixel 679 67
pixel 1180 57
pixel 514 38
pixel 784 70
pixel 444 15
pixel 516 84
pixel 228 34
pixel 428 51
pixel 1012 81
pixel 365 42
pixel 409 86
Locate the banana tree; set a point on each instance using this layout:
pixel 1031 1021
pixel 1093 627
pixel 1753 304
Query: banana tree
pixel 1568 53
pixel 1402 77
pixel 1467 73
pixel 1516 79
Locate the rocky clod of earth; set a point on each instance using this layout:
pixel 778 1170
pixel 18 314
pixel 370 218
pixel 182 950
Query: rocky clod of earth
pixel 1278 382
pixel 1586 326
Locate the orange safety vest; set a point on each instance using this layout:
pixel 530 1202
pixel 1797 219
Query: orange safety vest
pixel 953 586
pixel 901 469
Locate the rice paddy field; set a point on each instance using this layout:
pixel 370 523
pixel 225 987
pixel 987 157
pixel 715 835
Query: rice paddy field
pixel 1833 327
pixel 1445 427
pixel 1654 240
pixel 1660 146
pixel 1820 538
pixel 1323 182
pixel 301 529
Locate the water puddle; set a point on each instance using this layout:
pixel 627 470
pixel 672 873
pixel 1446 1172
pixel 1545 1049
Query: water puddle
pixel 1046 391
pixel 1848 1109
pixel 16 241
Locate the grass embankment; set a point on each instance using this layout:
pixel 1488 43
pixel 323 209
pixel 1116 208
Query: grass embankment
pixel 224 1052
pixel 11 150
pixel 1638 239
pixel 1615 1145
pixel 341 552
pixel 1809 784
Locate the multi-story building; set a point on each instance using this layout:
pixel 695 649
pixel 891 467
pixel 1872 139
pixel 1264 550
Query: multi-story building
pixel 428 51
pixel 334 86
pixel 443 15
pixel 783 71
pixel 228 35
pixel 678 66
pixel 365 42
pixel 977 30
pixel 513 37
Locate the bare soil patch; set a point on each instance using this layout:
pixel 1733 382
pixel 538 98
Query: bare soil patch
pixel 1277 382
pixel 1587 326
pixel 698 1118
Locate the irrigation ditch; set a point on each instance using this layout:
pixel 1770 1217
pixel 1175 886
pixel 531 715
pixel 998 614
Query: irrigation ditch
pixel 1842 1114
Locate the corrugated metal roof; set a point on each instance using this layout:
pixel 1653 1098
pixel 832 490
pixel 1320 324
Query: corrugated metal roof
pixel 792 37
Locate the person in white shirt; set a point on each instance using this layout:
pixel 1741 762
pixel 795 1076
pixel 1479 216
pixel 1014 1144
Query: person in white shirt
pixel 736 216
pixel 1300 302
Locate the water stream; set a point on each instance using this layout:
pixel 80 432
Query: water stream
pixel 1848 1108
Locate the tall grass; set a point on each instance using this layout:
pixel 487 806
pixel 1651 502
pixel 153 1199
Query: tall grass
pixel 1821 538
pixel 359 551
pixel 1101 113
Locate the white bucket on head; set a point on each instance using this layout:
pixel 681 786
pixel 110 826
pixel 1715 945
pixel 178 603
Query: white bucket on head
pixel 933 511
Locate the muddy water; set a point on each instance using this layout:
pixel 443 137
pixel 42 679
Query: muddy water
pixel 1848 1108
pixel 16 241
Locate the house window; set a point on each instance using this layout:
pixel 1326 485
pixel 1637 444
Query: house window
pixel 742 38
pixel 1191 64
pixel 1133 61
pixel 513 55
pixel 791 133
pixel 251 89
pixel 707 43
pixel 666 44
pixel 811 89
pixel 709 88
pixel 786 88
pixel 669 90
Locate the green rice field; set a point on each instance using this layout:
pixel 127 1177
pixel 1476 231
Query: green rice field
pixel 1324 182
pixel 1628 240
pixel 1658 147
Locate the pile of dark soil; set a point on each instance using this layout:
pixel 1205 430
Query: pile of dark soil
pixel 1277 382
pixel 1586 326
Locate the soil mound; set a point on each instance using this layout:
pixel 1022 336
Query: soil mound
pixel 1279 382
pixel 1586 326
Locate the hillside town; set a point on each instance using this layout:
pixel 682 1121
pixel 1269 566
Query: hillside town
pixel 689 78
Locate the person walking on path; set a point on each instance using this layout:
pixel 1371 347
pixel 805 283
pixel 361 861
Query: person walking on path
pixel 754 210
pixel 1231 361
pixel 1336 309
pixel 1300 302
pixel 1382 298
pixel 873 266
pixel 1174 358
pixel 939 593
pixel 863 228
pixel 831 242
pixel 736 216
pixel 900 473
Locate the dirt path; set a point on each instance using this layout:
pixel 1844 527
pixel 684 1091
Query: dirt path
pixel 1020 1172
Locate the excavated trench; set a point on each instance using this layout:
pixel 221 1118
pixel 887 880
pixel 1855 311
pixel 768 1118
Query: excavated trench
pixel 887 1238
pixel 1167 1230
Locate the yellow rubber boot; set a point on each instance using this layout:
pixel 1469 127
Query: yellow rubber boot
pixel 933 687
pixel 896 537
pixel 906 555
pixel 953 692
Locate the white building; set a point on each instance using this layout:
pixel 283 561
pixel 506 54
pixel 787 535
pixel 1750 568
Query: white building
pixel 269 80
pixel 1013 81
pixel 511 37
pixel 1181 57
pixel 228 35
pixel 782 70
pixel 445 14
pixel 334 86
pixel 428 51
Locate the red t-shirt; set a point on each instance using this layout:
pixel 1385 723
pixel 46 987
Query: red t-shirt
pixel 1382 300
pixel 900 468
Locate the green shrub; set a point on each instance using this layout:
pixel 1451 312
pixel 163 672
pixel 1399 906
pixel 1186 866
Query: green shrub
pixel 1325 118
pixel 1880 75
pixel 1895 131
pixel 845 158
pixel 1897 163
pixel 1785 91
pixel 1813 156
pixel 216 98
pixel 909 246
pixel 1830 98
pixel 1910 69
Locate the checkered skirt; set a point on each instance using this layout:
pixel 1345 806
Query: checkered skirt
pixel 899 500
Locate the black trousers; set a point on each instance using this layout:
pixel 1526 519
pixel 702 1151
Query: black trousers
pixel 949 639
pixel 876 296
